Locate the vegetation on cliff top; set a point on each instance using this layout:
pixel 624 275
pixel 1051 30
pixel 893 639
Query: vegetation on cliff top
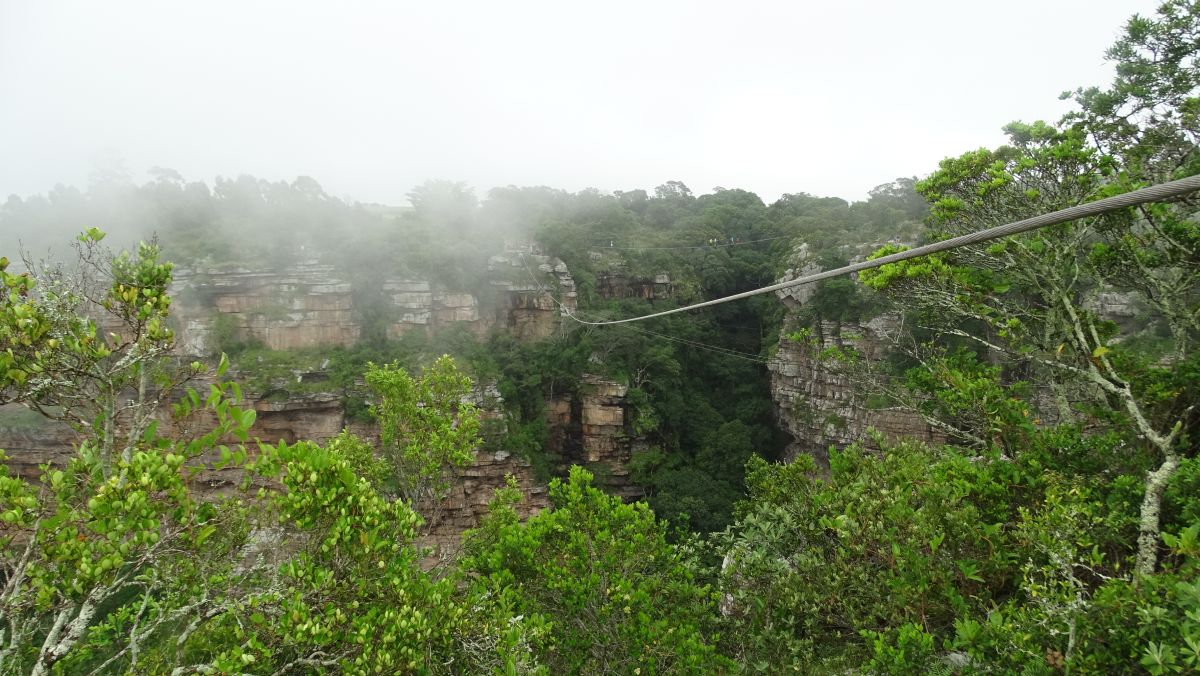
pixel 1057 531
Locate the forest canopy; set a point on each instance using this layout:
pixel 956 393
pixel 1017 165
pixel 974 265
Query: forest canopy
pixel 1046 521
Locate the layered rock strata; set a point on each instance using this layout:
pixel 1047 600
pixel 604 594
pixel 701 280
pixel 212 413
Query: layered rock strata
pixel 821 406
pixel 31 441
pixel 305 305
pixel 613 285
pixel 593 428
pixel 420 306
pixel 817 403
pixel 311 305
pixel 534 290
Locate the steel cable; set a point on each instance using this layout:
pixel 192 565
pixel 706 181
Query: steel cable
pixel 1155 193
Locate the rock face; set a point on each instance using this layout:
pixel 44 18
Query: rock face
pixel 306 305
pixel 315 417
pixel 1122 307
pixel 816 404
pixel 820 407
pixel 531 294
pixel 472 490
pixel 593 429
pixel 421 307
pixel 310 305
pixel 802 265
pixel 534 292
pixel 614 280
pixel 611 285
pixel 31 441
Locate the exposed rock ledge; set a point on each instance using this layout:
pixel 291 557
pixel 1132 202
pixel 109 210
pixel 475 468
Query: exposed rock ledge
pixel 815 404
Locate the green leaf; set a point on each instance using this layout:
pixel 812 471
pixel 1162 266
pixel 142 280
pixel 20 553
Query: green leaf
pixel 204 534
pixel 151 430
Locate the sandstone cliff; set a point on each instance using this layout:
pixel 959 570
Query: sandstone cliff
pixel 31 441
pixel 312 305
pixel 593 429
pixel 534 292
pixel 301 306
pixel 817 404
pixel 820 406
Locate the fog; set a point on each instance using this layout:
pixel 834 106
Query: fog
pixel 374 98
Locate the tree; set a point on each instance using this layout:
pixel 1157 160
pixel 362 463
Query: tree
pixel 617 597
pixel 115 561
pixel 427 427
pixel 1148 116
pixel 1036 300
pixel 908 536
pixel 674 191
pixel 59 359
pixel 119 519
pixel 445 205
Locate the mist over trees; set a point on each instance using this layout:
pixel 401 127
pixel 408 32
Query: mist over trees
pixel 1050 523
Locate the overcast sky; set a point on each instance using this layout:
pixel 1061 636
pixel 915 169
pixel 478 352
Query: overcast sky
pixel 830 98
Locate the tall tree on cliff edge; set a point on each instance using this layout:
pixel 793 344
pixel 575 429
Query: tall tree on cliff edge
pixel 1059 530
pixel 1037 301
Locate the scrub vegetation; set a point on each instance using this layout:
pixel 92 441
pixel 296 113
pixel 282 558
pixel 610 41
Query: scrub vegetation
pixel 1057 529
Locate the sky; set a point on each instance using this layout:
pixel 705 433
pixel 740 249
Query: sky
pixel 373 98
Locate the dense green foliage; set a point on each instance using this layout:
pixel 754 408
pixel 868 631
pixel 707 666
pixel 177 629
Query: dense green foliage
pixel 681 372
pixel 1056 530
pixel 616 596
pixel 425 427
pixel 1075 452
pixel 1011 564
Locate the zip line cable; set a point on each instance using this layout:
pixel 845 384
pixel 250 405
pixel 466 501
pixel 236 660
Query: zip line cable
pixel 704 346
pixel 1151 194
pixel 698 345
pixel 718 245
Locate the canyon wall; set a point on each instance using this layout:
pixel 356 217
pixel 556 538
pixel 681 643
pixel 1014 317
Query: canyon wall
pixel 534 290
pixel 817 403
pixel 305 305
pixel 593 429
pixel 821 406
pixel 312 305
pixel 31 441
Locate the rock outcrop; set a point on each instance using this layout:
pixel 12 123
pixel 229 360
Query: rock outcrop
pixel 816 403
pixel 306 305
pixel 802 265
pixel 534 292
pixel 593 429
pixel 420 306
pixel 820 406
pixel 30 441
pixel 311 305
pixel 612 285
pixel 472 491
